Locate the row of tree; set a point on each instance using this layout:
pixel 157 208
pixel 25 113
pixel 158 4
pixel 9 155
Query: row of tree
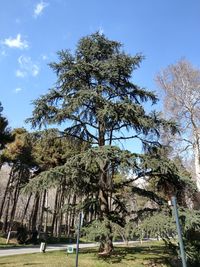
pixel 83 168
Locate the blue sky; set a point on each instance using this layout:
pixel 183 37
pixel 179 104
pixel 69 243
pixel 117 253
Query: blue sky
pixel 32 31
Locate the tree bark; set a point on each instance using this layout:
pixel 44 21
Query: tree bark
pixel 197 164
pixel 54 212
pixel 14 206
pixel 6 192
pixel 106 242
pixel 26 208
pixel 34 214
pixel 5 222
pixel 40 223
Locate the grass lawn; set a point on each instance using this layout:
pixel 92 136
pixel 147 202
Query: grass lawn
pixel 12 243
pixel 138 256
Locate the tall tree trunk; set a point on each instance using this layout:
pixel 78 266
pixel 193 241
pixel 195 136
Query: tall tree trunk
pixel 69 223
pixel 34 214
pixel 196 147
pixel 10 180
pixel 54 212
pixel 13 209
pixel 67 218
pixel 197 164
pixel 46 214
pixel 106 242
pixel 26 208
pixel 18 179
pixel 5 222
pixel 40 222
pixel 104 186
pixel 73 213
pixel 60 212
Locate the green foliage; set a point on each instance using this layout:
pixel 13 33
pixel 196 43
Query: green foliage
pixel 97 230
pixel 95 94
pixel 126 233
pixel 159 225
pixel 20 149
pixel 190 220
pixel 5 136
pixel 52 148
pixel 18 154
pixel 162 225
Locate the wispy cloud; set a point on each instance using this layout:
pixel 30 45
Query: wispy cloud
pixel 18 21
pixel 44 57
pixel 16 42
pixel 18 89
pixel 39 8
pixel 3 53
pixel 101 30
pixel 27 67
pixel 20 73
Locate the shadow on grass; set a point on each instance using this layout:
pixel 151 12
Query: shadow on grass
pixel 150 255
pixel 24 264
pixel 37 264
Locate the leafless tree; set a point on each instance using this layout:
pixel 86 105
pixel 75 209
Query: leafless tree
pixel 181 84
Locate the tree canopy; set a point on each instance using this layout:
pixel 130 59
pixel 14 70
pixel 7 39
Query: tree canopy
pixel 94 93
pixel 4 129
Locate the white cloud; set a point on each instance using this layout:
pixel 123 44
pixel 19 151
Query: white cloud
pixel 39 8
pixel 44 57
pixel 27 67
pixel 35 70
pixel 18 89
pixel 20 73
pixel 16 42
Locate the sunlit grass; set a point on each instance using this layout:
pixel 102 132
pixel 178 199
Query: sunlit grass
pixel 12 243
pixel 137 256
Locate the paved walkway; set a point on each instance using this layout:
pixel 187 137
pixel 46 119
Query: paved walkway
pixel 36 249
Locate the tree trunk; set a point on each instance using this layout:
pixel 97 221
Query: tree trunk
pixel 197 163
pixel 60 213
pixel 54 213
pixel 73 213
pixel 6 192
pixel 34 214
pixel 46 214
pixel 13 209
pixel 40 223
pixel 26 208
pixel 5 222
pixel 106 243
pixel 67 218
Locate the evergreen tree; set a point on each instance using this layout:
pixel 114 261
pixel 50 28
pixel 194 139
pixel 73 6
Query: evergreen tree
pixel 98 102
pixel 52 149
pixel 5 136
pixel 17 154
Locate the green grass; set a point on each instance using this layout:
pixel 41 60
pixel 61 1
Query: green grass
pixel 12 243
pixel 137 256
